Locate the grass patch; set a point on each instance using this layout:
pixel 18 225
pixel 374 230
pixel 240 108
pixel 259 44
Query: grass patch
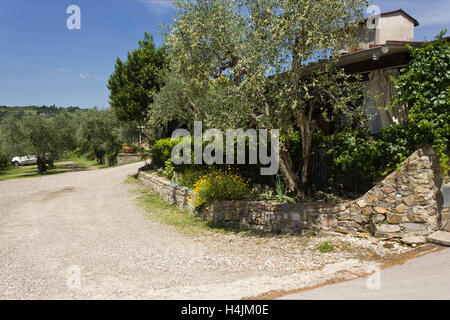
pixel 325 247
pixel 132 179
pixel 160 211
pixel 69 164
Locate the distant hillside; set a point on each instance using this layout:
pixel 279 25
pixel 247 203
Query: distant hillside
pixel 45 111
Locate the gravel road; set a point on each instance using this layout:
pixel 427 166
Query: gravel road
pixel 81 235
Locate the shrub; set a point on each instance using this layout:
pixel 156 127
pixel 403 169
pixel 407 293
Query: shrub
pixel 219 185
pixel 169 168
pixel 4 160
pixel 424 87
pixel 162 151
pixel 357 160
pixel 190 176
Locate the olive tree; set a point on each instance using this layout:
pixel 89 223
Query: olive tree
pixel 262 48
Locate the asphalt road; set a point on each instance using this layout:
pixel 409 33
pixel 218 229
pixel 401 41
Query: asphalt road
pixel 426 277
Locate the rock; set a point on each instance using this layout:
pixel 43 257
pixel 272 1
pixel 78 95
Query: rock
pixel 367 210
pixel 414 226
pixel 401 208
pixel 387 189
pixel 371 198
pixel 380 210
pixel 421 189
pixel 354 209
pixel 387 231
pixel 394 218
pixel 446 226
pixel 440 237
pixel 416 218
pixel 361 203
pixel 414 240
pixel 364 235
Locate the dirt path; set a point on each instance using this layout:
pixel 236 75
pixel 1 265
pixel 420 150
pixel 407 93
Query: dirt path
pixel 53 226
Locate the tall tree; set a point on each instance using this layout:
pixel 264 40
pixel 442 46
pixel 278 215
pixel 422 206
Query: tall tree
pixel 135 81
pixel 263 47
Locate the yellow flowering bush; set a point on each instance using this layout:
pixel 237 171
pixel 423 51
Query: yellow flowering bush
pixel 219 185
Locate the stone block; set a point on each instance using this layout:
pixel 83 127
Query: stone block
pixel 401 208
pixel 381 210
pixel 387 189
pixel 394 218
pixel 414 240
pixel 367 210
pixel 411 227
pixel 440 237
pixel 387 231
pixel 361 203
pixel 416 218
pixel 409 200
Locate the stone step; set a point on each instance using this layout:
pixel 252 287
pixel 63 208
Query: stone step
pixel 440 237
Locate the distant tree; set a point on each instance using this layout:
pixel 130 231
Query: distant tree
pixel 47 138
pixel 32 135
pixel 135 81
pixel 98 134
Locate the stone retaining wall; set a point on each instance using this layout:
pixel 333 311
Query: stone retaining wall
pixel 129 157
pixel 406 203
pixel 171 192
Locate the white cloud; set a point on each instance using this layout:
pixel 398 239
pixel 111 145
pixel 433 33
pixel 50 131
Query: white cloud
pixel 88 76
pixel 157 6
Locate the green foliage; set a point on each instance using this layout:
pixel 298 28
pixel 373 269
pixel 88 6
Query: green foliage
pixel 330 198
pixel 279 188
pixel 5 156
pixel 190 176
pixel 219 185
pixel 5 159
pixel 357 158
pixel 424 87
pixel 325 247
pixel 97 135
pixel 162 151
pixel 243 64
pixel 169 168
pixel 135 81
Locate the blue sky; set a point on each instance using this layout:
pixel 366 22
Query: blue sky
pixel 43 62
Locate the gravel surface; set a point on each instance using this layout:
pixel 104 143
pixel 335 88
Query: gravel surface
pixel 55 227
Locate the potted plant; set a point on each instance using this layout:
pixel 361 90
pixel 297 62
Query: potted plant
pixel 127 149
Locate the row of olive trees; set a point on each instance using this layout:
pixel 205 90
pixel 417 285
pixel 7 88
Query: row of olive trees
pixel 94 132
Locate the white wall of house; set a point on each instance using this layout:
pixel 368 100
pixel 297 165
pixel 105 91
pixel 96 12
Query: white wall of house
pixel 395 26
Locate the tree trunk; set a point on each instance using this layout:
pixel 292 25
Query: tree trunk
pixel 287 170
pixel 305 128
pixel 41 163
pixel 50 161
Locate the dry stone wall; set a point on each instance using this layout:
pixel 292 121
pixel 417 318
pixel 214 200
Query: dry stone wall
pixel 406 203
pixel 129 157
